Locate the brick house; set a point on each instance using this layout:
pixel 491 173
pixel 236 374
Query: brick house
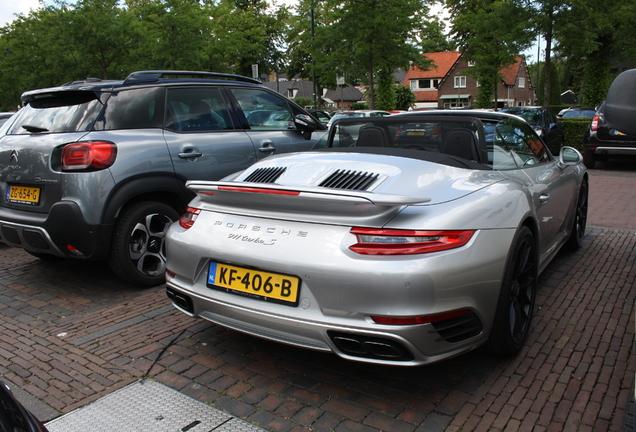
pixel 424 82
pixel 449 85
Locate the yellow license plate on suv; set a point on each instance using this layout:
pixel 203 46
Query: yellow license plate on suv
pixel 255 284
pixel 23 194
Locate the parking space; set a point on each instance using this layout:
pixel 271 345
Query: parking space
pixel 73 333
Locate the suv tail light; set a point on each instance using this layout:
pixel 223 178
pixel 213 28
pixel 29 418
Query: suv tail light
pixel 88 156
pixel 372 241
pixel 594 126
pixel 189 217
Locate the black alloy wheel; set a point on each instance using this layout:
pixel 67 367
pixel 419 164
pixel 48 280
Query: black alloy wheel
pixel 138 249
pixel 580 220
pixel 515 307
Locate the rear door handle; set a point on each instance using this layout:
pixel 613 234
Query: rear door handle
pixel 267 147
pixel 190 154
pixel 544 198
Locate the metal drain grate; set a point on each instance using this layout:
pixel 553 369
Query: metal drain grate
pixel 148 407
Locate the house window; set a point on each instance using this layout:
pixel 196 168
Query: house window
pixel 471 63
pixel 460 82
pixel 424 84
pixel 521 82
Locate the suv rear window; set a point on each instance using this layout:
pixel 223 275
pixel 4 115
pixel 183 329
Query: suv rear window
pixel 66 112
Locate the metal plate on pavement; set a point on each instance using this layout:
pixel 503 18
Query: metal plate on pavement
pixel 148 407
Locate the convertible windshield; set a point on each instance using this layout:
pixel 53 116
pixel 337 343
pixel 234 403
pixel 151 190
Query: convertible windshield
pixel 463 141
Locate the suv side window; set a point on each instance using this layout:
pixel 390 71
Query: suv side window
pixel 197 110
pixel 264 110
pixel 133 109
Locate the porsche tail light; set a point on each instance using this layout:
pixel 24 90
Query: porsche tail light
pixel 373 241
pixel 88 156
pixel 426 319
pixel 594 125
pixel 189 217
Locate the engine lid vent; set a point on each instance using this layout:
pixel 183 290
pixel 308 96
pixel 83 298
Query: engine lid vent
pixel 265 175
pixel 349 179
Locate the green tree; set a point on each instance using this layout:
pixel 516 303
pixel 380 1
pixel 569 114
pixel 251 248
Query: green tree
pixel 32 55
pixel 548 15
pixel 593 36
pixel 248 32
pixel 365 37
pixel 100 35
pixel 176 34
pixel 491 33
pixel 404 97
pixel 434 38
pixel 386 97
pixel 555 86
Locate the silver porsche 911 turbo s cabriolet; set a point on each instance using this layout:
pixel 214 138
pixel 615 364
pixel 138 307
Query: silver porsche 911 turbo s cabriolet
pixel 400 240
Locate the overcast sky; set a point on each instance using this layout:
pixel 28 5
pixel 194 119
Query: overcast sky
pixel 8 9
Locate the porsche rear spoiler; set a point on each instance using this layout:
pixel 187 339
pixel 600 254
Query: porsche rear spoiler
pixel 315 203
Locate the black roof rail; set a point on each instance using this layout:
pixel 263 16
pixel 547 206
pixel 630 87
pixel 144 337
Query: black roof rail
pixel 154 75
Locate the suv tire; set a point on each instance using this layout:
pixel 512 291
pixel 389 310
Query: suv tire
pixel 137 253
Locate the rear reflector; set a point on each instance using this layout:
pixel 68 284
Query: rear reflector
pixel 373 241
pixel 418 319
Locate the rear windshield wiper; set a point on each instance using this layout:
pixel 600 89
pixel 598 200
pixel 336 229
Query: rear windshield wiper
pixel 34 129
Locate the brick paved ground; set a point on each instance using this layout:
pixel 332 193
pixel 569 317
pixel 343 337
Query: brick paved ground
pixel 71 333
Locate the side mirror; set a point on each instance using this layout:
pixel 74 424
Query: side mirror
pixel 570 156
pixel 306 124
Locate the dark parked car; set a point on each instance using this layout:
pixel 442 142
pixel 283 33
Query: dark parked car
pixel 576 112
pixel 602 141
pixel 97 169
pixel 545 124
pixel 14 417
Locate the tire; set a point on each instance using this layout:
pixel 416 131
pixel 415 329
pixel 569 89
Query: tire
pixel 515 306
pixel 589 159
pixel 580 220
pixel 137 253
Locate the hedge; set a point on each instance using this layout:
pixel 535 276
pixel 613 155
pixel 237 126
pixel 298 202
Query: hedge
pixel 574 130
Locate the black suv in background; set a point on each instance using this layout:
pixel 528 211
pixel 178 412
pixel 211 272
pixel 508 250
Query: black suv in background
pixel 97 169
pixel 602 141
